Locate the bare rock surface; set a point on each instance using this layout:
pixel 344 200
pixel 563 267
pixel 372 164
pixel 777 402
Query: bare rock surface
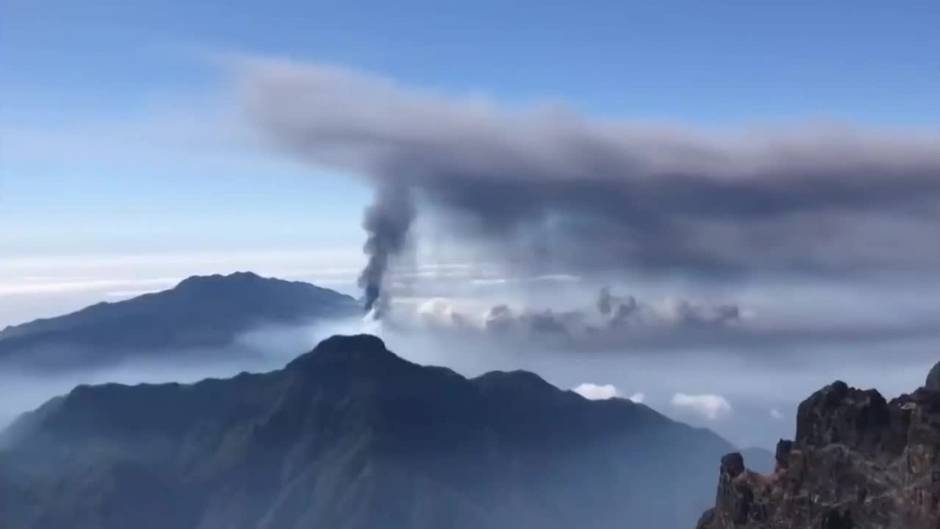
pixel 858 462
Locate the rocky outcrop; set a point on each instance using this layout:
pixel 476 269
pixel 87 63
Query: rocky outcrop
pixel 858 462
pixel 933 378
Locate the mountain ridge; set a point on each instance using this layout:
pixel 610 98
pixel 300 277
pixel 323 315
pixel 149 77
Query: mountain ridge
pixel 350 435
pixel 199 312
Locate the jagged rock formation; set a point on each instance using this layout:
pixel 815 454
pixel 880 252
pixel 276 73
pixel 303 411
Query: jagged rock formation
pixel 933 378
pixel 350 436
pixel 858 462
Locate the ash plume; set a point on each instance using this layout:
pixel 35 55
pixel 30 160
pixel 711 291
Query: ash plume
pixel 387 222
pixel 601 197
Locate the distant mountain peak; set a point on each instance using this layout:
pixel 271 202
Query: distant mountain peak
pixel 201 312
pixel 234 276
pixel 368 343
pixel 357 348
pixel 235 279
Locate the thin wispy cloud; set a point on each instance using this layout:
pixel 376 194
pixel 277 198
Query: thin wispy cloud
pixel 53 286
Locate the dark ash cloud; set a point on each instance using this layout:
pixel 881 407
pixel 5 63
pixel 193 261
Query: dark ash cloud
pixel 387 222
pixel 595 196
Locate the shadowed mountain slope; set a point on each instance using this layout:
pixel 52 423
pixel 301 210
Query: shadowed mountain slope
pixel 200 312
pixel 352 436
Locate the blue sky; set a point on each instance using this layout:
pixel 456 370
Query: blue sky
pixel 125 163
pixel 118 137
pixel 709 62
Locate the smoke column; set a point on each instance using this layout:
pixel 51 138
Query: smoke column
pixel 387 222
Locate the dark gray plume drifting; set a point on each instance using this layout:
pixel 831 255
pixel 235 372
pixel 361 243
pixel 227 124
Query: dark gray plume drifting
pixel 597 196
pixel 387 222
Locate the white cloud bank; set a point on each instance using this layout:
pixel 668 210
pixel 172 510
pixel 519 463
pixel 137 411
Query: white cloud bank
pixel 597 392
pixel 606 391
pixel 709 406
pixel 637 397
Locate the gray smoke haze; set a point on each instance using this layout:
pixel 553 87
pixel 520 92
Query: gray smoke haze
pixel 618 319
pixel 548 186
pixel 39 374
pixel 639 344
pixel 631 327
